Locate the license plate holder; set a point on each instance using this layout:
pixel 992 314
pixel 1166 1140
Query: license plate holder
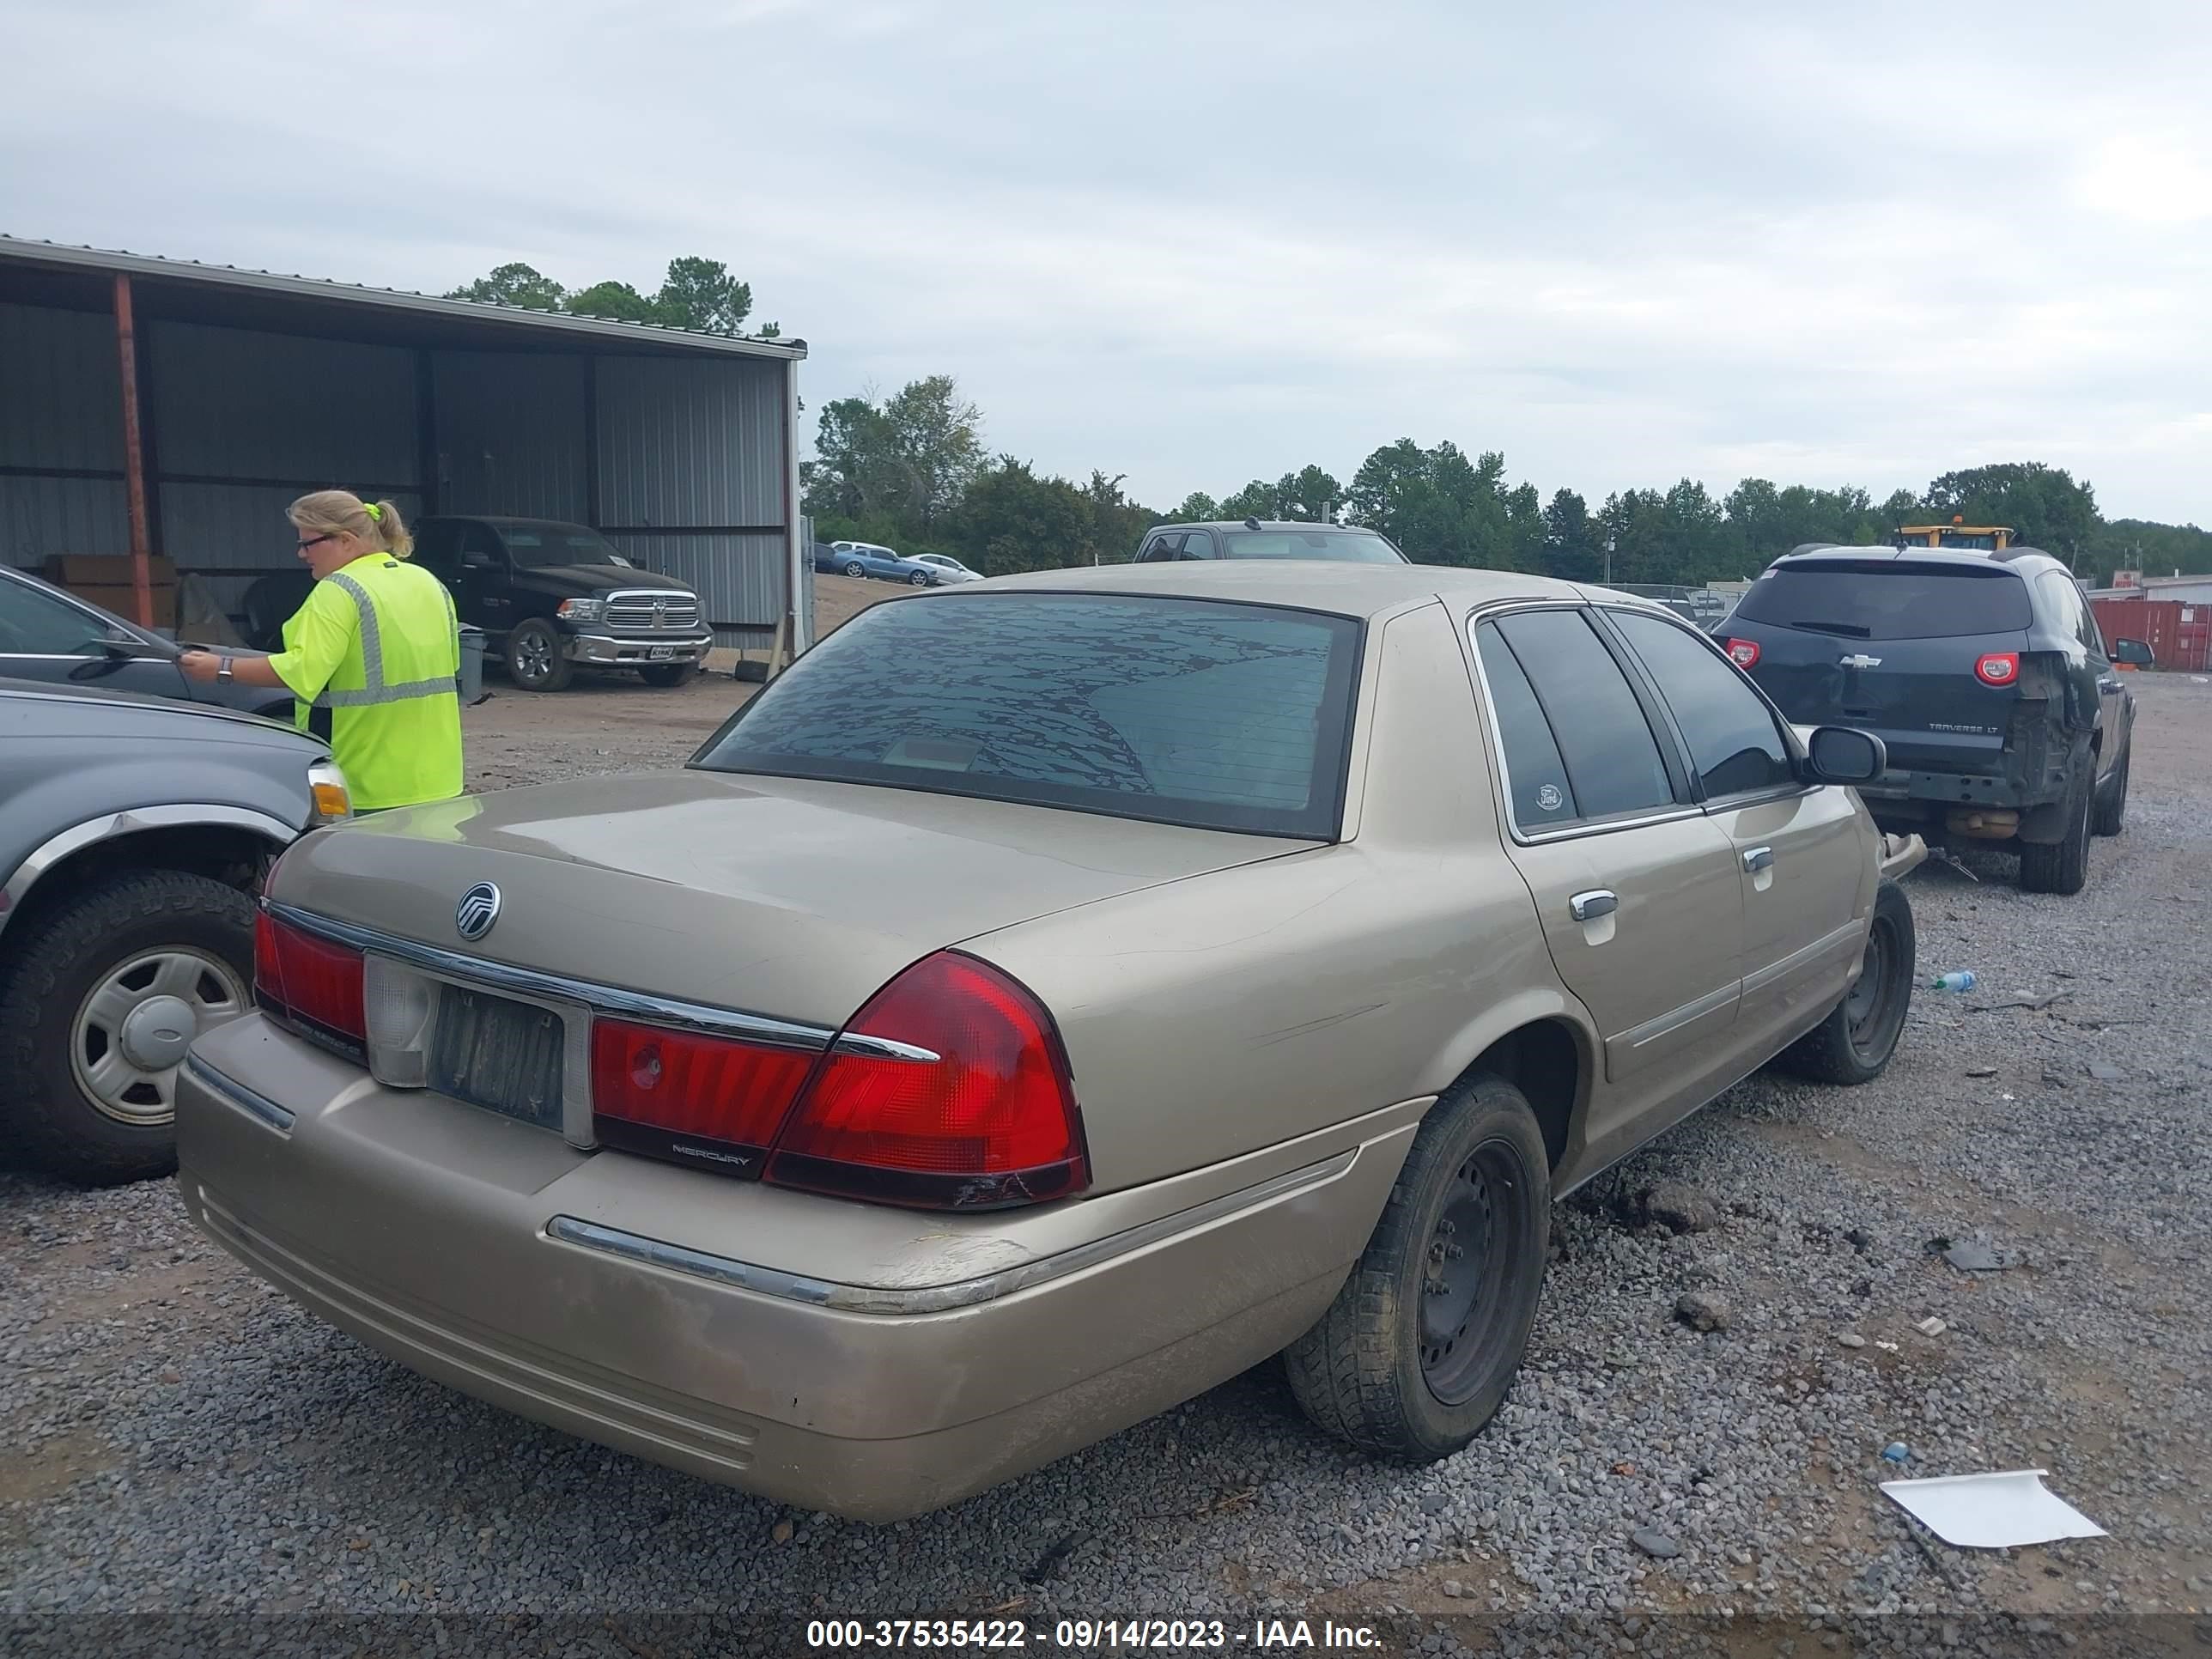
pixel 500 1055
pixel 659 654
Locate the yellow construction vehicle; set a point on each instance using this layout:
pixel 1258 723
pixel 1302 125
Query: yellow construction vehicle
pixel 1986 538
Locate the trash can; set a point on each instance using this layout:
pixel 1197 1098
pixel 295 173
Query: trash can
pixel 471 677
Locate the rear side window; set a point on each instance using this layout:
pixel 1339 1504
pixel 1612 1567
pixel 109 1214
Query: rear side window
pixel 1733 739
pixel 1339 546
pixel 1182 711
pixel 1595 723
pixel 1884 600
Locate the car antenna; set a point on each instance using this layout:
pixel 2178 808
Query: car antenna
pixel 1251 524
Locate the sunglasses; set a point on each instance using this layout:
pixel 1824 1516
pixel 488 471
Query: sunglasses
pixel 314 541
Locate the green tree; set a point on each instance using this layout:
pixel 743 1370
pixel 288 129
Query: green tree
pixel 616 301
pixel 701 294
pixel 1010 519
pixel 515 285
pixel 1198 507
pixel 1573 549
pixel 1257 500
pixel 1117 524
pixel 909 457
pixel 2042 503
pixel 1309 493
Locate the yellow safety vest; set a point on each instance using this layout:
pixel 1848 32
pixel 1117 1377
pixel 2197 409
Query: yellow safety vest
pixel 378 645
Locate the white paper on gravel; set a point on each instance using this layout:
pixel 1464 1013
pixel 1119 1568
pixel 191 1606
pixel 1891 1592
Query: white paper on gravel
pixel 1992 1511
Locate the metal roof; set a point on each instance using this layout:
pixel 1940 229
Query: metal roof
pixel 56 255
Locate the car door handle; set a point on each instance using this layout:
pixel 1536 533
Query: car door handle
pixel 1758 858
pixel 2108 685
pixel 1588 907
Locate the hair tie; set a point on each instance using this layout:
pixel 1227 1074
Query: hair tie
pixel 373 511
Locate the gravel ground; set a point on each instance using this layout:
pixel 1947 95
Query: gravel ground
pixel 181 1440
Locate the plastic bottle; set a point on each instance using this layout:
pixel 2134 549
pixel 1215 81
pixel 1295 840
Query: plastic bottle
pixel 1962 981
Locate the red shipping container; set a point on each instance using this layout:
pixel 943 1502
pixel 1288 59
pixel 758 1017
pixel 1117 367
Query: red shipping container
pixel 2179 635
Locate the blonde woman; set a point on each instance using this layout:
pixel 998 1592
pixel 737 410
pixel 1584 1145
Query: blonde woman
pixel 376 645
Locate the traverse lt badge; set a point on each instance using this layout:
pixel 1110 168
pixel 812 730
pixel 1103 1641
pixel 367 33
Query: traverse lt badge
pixel 478 911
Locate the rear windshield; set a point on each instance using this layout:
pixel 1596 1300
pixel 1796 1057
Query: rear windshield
pixel 1182 711
pixel 1879 600
pixel 1343 546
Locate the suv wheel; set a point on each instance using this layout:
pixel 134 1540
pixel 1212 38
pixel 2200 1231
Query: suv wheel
pixel 107 992
pixel 534 660
pixel 2062 865
pixel 1417 1351
pixel 2111 813
pixel 1854 1043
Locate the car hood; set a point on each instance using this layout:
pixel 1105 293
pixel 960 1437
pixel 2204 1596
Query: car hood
pixel 574 579
pixel 36 709
pixel 790 898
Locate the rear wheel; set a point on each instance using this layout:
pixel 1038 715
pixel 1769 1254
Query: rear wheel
pixel 1420 1346
pixel 667 674
pixel 2111 814
pixel 534 658
pixel 2062 865
pixel 1855 1043
pixel 856 569
pixel 919 579
pixel 107 991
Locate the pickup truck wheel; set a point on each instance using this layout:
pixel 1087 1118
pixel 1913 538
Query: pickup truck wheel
pixel 1855 1043
pixel 2111 813
pixel 1417 1351
pixel 2062 865
pixel 106 992
pixel 534 660
pixel 669 674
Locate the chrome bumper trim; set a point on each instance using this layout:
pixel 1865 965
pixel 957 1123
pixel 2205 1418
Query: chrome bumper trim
pixel 262 1109
pixel 937 1299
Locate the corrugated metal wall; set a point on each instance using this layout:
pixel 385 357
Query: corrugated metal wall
pixel 61 412
pixel 242 422
pixel 511 434
pixel 691 443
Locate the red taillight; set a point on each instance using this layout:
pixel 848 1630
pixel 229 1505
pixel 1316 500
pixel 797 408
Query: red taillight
pixel 1744 654
pixel 312 982
pixel 1998 668
pixel 651 1087
pixel 990 1121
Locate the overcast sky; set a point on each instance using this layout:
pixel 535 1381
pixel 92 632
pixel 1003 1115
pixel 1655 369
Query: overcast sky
pixel 1200 242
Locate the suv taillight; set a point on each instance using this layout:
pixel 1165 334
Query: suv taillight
pixel 1997 668
pixel 1744 654
pixel 311 984
pixel 990 1121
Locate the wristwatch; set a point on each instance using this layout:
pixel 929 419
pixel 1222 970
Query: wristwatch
pixel 222 668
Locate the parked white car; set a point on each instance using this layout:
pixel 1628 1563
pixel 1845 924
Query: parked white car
pixel 949 570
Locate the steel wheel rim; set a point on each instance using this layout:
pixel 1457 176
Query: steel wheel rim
pixel 1868 1007
pixel 1466 1269
pixel 131 1031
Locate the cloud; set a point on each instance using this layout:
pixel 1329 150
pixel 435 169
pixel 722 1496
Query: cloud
pixel 1200 242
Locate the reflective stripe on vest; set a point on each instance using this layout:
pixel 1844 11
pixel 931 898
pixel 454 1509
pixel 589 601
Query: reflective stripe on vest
pixel 372 658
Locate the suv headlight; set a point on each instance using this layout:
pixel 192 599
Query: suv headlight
pixel 581 611
pixel 327 787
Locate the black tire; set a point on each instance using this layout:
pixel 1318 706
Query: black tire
pixel 55 964
pixel 668 675
pixel 534 660
pixel 1371 1372
pixel 2111 817
pixel 919 579
pixel 856 569
pixel 1855 1043
pixel 2062 865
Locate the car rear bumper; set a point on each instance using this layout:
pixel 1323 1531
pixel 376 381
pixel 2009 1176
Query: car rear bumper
pixel 610 651
pixel 614 1298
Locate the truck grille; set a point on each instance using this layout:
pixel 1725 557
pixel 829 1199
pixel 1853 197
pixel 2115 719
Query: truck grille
pixel 652 611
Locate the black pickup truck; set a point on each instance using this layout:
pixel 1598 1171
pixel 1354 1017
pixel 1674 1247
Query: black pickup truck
pixel 550 597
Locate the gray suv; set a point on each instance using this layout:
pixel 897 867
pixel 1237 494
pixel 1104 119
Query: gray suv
pixel 1985 675
pixel 134 835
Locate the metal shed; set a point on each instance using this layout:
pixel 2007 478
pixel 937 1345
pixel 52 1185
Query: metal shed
pixel 171 409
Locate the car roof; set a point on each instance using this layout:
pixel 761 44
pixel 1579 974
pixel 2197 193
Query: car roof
pixel 1266 524
pixel 2033 558
pixel 1349 590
